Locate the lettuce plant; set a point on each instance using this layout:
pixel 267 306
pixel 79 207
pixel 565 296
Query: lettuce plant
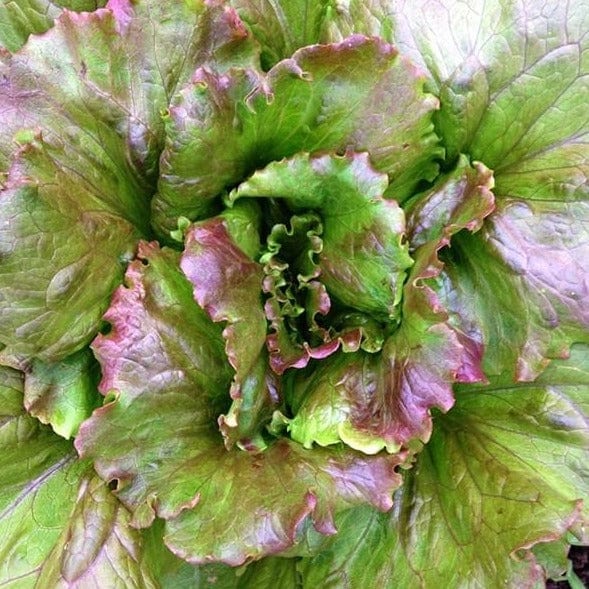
pixel 293 294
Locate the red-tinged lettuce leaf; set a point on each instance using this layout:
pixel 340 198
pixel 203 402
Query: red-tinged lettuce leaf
pixel 512 79
pixel 364 258
pixel 61 526
pixel 160 338
pixel 157 440
pixel 20 19
pixel 86 97
pixel 227 284
pixel 356 94
pixel 505 469
pixel 519 286
pixel 460 200
pixel 101 81
pixel 64 393
pixel 383 400
pixel 283 26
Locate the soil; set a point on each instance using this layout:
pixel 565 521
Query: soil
pixel 580 557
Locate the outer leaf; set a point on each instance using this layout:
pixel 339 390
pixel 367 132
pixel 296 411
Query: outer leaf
pixel 20 19
pixel 364 258
pixel 63 246
pixel 519 286
pixel 283 27
pixel 513 82
pixel 63 394
pixel 90 91
pixel 383 401
pixel 159 440
pixel 61 527
pixel 505 469
pixel 326 97
pixel 102 80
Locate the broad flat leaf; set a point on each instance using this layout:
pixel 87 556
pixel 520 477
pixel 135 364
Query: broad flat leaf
pixel 357 94
pixel 283 26
pixel 505 468
pixel 227 284
pixel 20 18
pixel 383 400
pixel 62 252
pixel 519 286
pixel 364 259
pixel 63 394
pixel 157 439
pixel 61 526
pixel 513 81
pixel 85 99
pixel 172 572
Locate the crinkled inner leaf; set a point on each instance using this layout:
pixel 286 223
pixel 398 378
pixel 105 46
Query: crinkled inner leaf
pixel 158 440
pixel 364 259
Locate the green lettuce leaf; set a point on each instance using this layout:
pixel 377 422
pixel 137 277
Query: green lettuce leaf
pixel 20 19
pixel 283 26
pixel 512 80
pixel 505 469
pixel 376 401
pixel 63 247
pixel 61 526
pixel 326 97
pixel 63 394
pixel 157 440
pixel 363 259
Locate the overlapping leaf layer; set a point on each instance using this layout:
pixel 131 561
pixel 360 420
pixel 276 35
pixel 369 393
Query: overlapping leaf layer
pixel 305 281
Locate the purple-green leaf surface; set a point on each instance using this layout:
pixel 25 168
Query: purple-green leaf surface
pixel 504 470
pixel 158 442
pixel 325 97
pixel 357 354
